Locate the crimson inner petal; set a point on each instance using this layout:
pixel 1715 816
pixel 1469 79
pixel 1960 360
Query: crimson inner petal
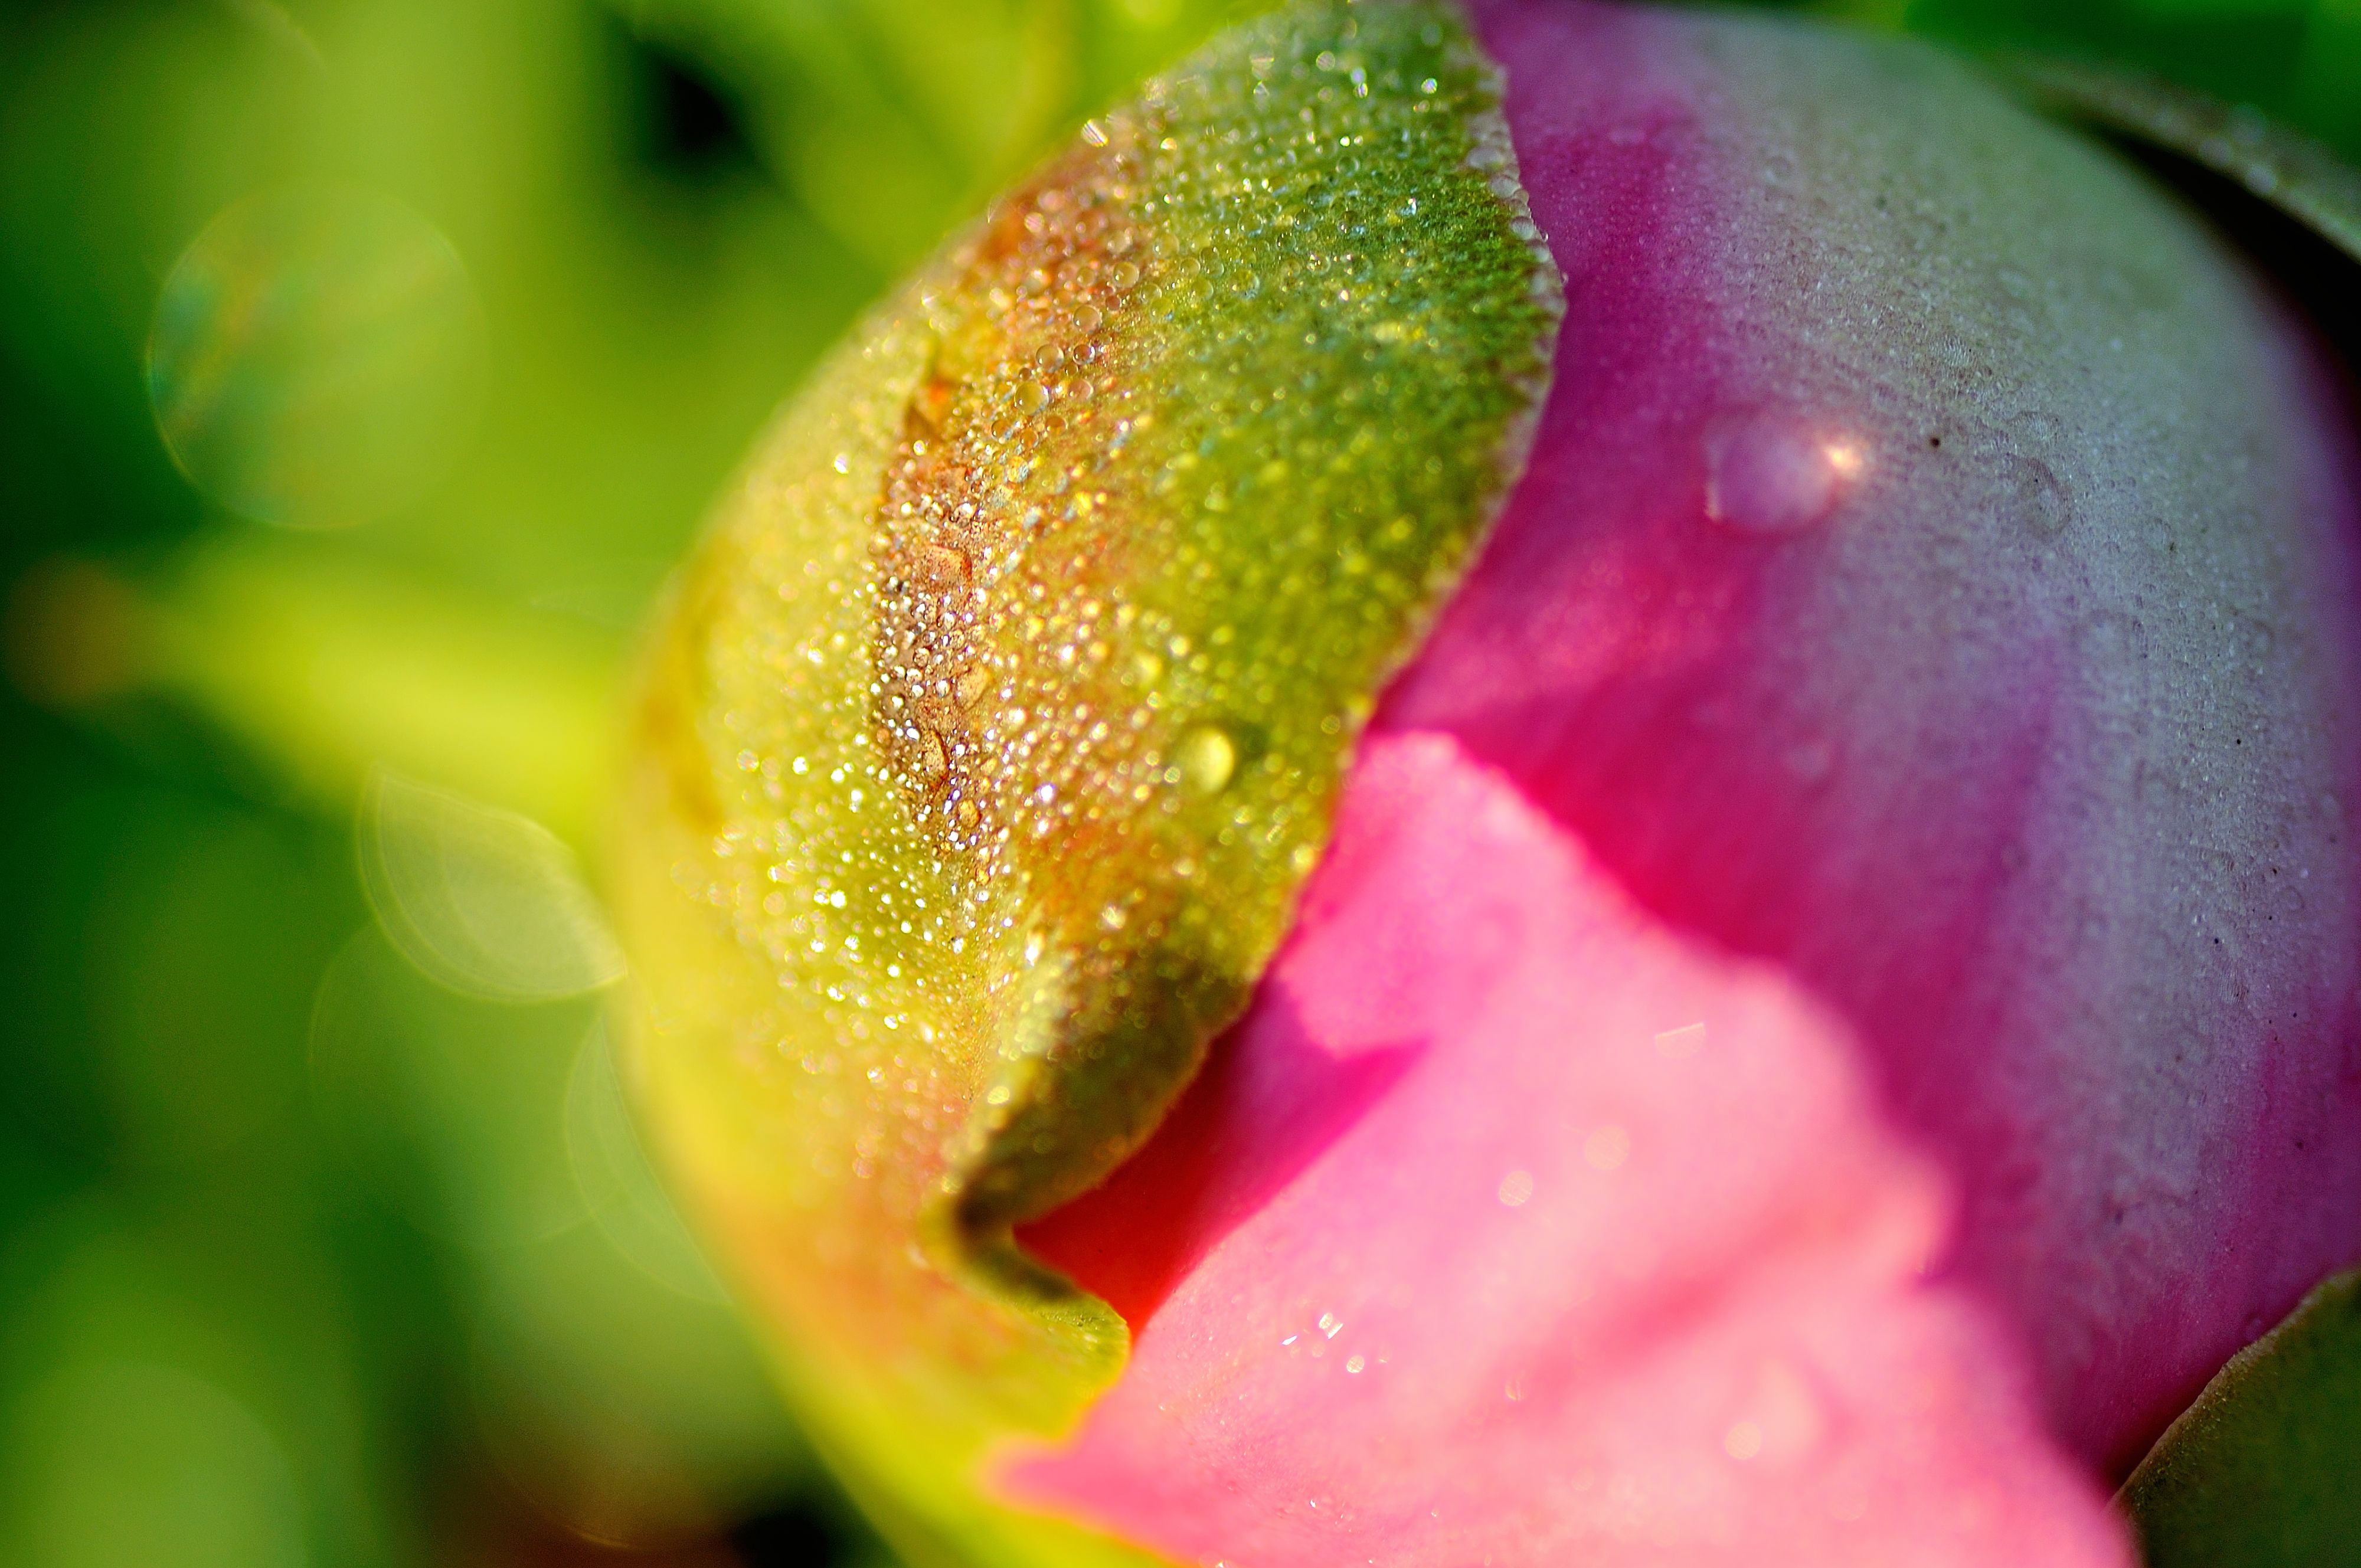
pixel 1244 1128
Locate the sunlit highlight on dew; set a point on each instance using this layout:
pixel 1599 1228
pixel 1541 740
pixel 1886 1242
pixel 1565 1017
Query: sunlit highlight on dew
pixel 318 357
pixel 1207 758
pixel 1771 474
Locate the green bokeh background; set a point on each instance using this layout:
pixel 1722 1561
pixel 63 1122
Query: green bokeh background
pixel 277 1287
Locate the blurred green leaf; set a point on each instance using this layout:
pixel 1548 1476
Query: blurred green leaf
pixel 895 119
pixel 2297 60
pixel 2261 1470
pixel 634 1415
pixel 175 1363
pixel 330 664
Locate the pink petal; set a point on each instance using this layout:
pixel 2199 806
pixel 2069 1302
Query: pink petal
pixel 1935 576
pixel 1514 1227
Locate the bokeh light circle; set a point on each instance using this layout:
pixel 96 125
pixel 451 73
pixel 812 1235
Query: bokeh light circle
pixel 118 1463
pixel 318 357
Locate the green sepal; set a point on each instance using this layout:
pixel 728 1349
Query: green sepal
pixel 2264 1468
pixel 1000 718
pixel 2298 175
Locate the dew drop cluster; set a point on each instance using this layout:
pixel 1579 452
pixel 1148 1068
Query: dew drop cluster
pixel 1023 667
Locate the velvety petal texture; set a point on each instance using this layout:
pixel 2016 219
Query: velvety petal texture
pixel 1921 651
pixel 1514 1227
pixel 1935 577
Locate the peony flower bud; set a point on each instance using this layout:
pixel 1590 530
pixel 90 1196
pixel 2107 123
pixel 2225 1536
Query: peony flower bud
pixel 1602 821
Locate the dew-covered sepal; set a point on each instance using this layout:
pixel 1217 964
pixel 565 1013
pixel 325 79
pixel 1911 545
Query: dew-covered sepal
pixel 1001 712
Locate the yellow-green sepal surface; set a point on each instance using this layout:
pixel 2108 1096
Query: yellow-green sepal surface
pixel 996 723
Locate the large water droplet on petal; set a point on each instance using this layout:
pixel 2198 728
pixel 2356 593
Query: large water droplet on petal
pixel 1774 473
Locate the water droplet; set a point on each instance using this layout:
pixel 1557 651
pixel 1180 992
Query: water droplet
pixel 2033 497
pixel 1516 1188
pixel 1742 1441
pixel 1771 474
pixel 1207 759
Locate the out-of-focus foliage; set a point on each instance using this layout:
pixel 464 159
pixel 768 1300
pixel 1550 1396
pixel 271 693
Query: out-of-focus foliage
pixel 2258 1472
pixel 306 1258
pixel 2298 61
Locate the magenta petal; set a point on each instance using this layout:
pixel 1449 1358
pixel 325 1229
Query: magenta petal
pixel 1935 577
pixel 1532 1230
